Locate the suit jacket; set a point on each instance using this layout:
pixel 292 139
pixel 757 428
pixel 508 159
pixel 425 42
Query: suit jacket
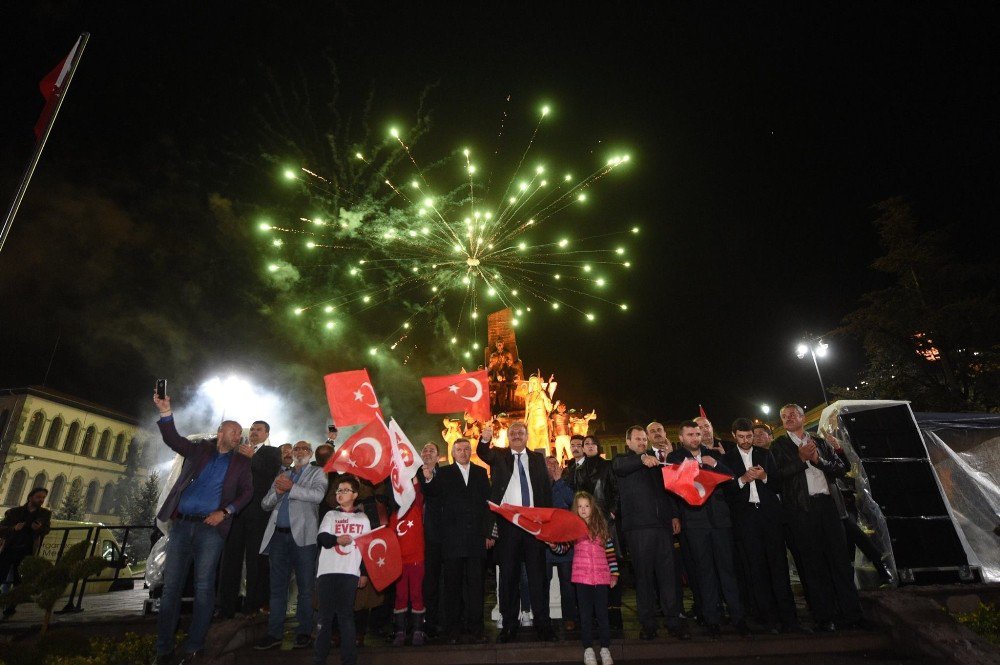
pixel 237 486
pixel 643 502
pixel 791 472
pixel 265 464
pixel 303 507
pixel 714 513
pixel 466 520
pixel 767 492
pixel 501 461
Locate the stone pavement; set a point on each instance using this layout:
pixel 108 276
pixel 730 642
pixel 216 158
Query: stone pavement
pixel 123 607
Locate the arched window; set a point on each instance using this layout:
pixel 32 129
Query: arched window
pixel 35 428
pixel 119 454
pixel 41 480
pixel 88 440
pixel 52 438
pixel 91 500
pixel 56 495
pixel 102 450
pixel 16 488
pixel 107 499
pixel 71 438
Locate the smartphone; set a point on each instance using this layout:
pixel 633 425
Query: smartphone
pixel 161 388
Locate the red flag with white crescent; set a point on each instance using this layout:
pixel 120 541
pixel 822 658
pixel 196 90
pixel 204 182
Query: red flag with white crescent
pixel 52 86
pixel 380 552
pixel 404 465
pixel 455 393
pixel 351 397
pixel 550 525
pixel 690 482
pixel 366 454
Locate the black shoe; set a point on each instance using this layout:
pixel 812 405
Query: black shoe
pixel 547 635
pixel 713 630
pixel 826 627
pixel 507 635
pixel 772 629
pixel 679 633
pixel 649 634
pixel 742 629
pixel 301 641
pixel 266 642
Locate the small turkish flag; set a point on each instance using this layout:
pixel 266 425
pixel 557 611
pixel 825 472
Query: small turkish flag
pixel 459 392
pixel 52 86
pixel 380 552
pixel 352 398
pixel 690 482
pixel 701 412
pixel 403 467
pixel 550 525
pixel 366 454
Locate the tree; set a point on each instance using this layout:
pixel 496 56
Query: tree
pixel 72 507
pixel 930 336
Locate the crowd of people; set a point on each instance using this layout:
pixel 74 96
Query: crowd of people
pixel 258 513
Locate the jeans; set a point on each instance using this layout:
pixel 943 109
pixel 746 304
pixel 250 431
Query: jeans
pixel 285 557
pixel 593 601
pixel 336 599
pixel 203 544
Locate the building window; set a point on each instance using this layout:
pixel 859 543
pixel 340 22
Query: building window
pixel 56 495
pixel 91 500
pixel 52 438
pixel 119 455
pixel 35 428
pixel 88 440
pixel 41 480
pixel 102 450
pixel 107 499
pixel 16 488
pixel 4 419
pixel 71 438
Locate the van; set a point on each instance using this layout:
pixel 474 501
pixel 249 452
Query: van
pixel 107 547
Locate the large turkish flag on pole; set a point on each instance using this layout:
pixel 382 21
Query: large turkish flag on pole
pixel 52 87
pixel 352 398
pixel 456 393
pixel 690 482
pixel 366 454
pixel 550 525
pixel 380 552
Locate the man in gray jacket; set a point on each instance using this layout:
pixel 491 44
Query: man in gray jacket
pixel 290 543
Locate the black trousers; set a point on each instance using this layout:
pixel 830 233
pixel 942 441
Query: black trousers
pixel 653 561
pixel 463 596
pixel 761 545
pixel 515 546
pixel 686 567
pixel 593 600
pixel 828 576
pixel 243 549
pixel 336 602
pixel 712 558
pixel 432 584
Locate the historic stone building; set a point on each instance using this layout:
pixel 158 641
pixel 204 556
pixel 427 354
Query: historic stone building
pixel 54 440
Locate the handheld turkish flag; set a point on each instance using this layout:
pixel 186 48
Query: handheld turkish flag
pixel 352 398
pixel 550 525
pixel 690 482
pixel 403 467
pixel 459 392
pixel 380 552
pixel 366 454
pixel 52 87
pixel 701 412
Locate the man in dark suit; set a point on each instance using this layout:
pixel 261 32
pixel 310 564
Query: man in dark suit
pixel 434 528
pixel 520 478
pixel 461 491
pixel 708 529
pixel 758 522
pixel 806 468
pixel 247 533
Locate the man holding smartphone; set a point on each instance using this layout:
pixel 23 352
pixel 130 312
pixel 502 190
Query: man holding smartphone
pixel 22 530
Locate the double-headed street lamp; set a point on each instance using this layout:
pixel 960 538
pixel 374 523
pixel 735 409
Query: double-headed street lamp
pixel 817 348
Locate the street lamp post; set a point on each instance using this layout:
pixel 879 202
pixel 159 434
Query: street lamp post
pixel 819 349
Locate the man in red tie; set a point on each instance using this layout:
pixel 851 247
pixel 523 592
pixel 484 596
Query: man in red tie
pixel 659 441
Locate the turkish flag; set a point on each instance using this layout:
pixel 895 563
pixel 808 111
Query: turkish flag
pixel 404 465
pixel 352 398
pixel 459 392
pixel 51 87
pixel 550 525
pixel 366 454
pixel 690 482
pixel 701 412
pixel 380 552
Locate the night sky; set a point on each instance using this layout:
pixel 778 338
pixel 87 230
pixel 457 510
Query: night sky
pixel 760 140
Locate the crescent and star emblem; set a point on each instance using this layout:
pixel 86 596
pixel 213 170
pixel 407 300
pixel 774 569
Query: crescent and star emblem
pixel 701 488
pixel 385 548
pixel 358 397
pixel 479 390
pixel 407 523
pixel 516 522
pixel 376 449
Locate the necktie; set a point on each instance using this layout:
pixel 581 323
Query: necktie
pixel 661 456
pixel 525 490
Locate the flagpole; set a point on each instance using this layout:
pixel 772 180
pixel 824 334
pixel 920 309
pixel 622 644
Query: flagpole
pixel 8 222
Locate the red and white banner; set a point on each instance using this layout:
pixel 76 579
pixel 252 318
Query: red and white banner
pixel 380 552
pixel 351 397
pixel 367 454
pixel 550 525
pixel 405 464
pixel 457 393
pixel 52 86
pixel 690 482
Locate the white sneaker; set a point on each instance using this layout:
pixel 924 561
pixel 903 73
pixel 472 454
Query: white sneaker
pixel 527 619
pixel 606 658
pixel 588 656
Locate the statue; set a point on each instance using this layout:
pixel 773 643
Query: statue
pixel 561 431
pixel 537 407
pixel 502 375
pixel 581 424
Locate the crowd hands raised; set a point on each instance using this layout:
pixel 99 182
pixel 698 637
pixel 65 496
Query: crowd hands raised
pixel 275 513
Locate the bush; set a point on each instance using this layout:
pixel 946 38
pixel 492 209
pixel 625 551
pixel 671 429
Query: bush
pixel 984 621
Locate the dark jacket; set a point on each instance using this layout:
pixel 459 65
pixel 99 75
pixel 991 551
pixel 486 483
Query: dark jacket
pixel 645 504
pixel 27 540
pixel 237 486
pixel 434 520
pixel 501 461
pixel 791 472
pixel 467 520
pixel 596 477
pixel 714 513
pixel 264 467
pixel 767 492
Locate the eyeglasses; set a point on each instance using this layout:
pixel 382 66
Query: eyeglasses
pixel 346 492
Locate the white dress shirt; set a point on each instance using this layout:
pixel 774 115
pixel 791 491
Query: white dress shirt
pixel 815 478
pixel 265 442
pixel 513 493
pixel 747 456
pixel 464 468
